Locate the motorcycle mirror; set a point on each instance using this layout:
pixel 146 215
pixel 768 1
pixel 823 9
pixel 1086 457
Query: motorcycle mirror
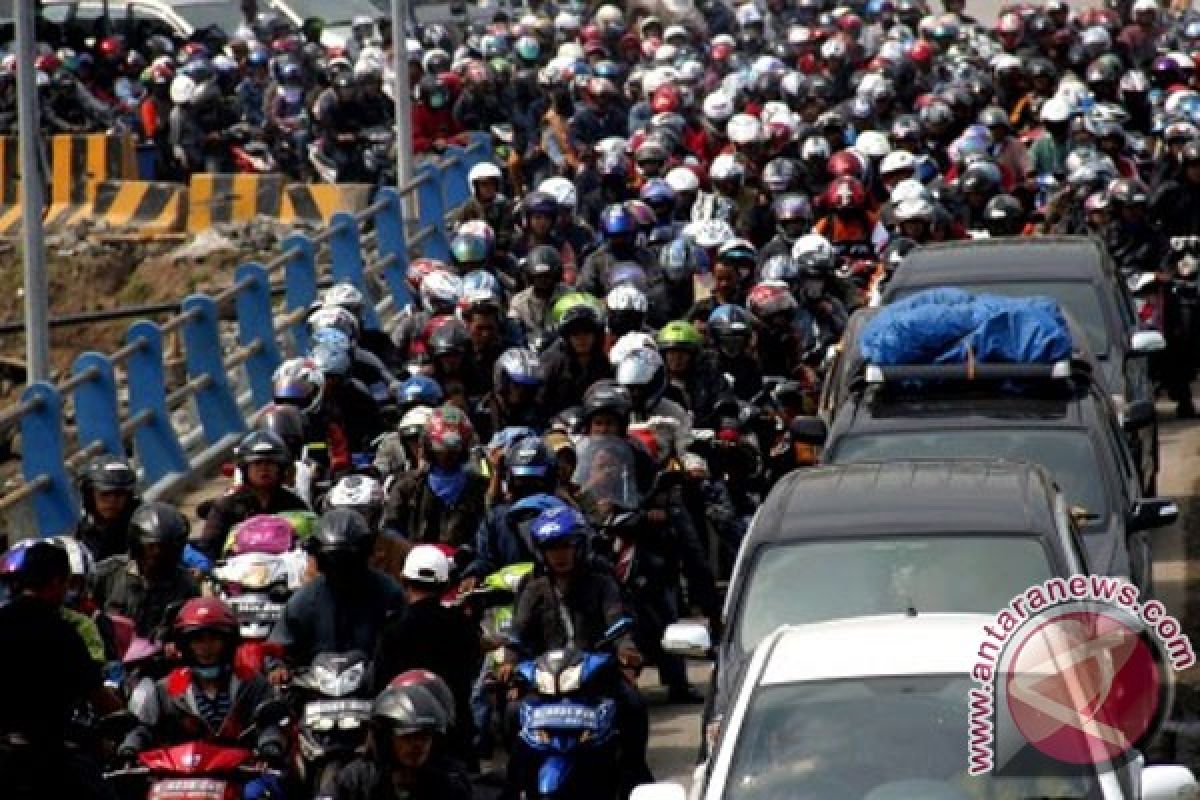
pixel 618 629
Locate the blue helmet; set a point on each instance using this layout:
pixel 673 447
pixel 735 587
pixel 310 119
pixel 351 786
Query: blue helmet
pixel 657 191
pixel 331 350
pixel 529 457
pixel 420 390
pixel 678 260
pixel 557 526
pixel 617 220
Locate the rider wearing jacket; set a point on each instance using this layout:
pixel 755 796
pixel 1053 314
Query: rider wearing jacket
pixel 108 489
pixel 576 359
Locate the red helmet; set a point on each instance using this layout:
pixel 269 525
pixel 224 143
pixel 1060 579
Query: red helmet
pixel 205 614
pixel 721 52
pixel 448 430
pixel 112 47
pixel 665 99
pixel 770 297
pixel 419 268
pixel 847 163
pixel 921 52
pixel 452 82
pixel 850 23
pixel 590 33
pixel 47 63
pixel 845 194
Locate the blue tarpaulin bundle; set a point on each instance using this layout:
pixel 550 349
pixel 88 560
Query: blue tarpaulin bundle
pixel 951 326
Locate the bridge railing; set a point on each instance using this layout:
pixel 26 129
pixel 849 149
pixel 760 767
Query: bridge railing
pixel 178 415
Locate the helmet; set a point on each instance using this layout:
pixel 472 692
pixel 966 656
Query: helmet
pixel 982 177
pixel 607 397
pixel 529 457
pixel 344 295
pixel 262 446
pixel 440 291
pixel 158 523
pixel 779 175
pixel 616 220
pixel 483 171
pixel 361 493
pixel 682 179
pixel 557 526
pixel 563 191
pixel 287 423
pixel 914 209
pixel 342 537
pixel 627 343
pixel 419 390
pixel 897 161
pixel 107 473
pixel 447 336
pixel 1004 215
pixel 543 260
pixel 769 298
pixel 643 373
pixel 426 563
pixel 657 191
pixel 744 129
pixel 814 249
pixel 449 430
pixel 332 352
pixel 847 163
pixel 578 308
pixel 1055 110
pixel 710 233
pixel 206 615
pixel 726 168
pixel 79 558
pixel 1128 192
pixel 334 317
pixel 873 144
pixel 793 208
pixel 517 365
pixel 414 421
pixel 540 203
pixel 678 260
pixel 679 335
pixel 845 194
pixel 469 250
pixel 729 325
pixel 408 709
pixel 299 382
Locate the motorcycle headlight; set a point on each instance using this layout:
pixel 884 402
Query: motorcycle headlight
pixel 545 683
pixel 340 685
pixel 570 679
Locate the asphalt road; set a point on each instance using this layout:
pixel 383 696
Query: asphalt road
pixel 675 730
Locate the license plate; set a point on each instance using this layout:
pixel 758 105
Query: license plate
pixel 336 711
pixel 569 716
pixel 193 789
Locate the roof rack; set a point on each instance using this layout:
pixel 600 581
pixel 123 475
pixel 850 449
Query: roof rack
pixel 1066 369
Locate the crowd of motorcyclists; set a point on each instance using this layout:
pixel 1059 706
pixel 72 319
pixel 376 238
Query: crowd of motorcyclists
pixel 594 393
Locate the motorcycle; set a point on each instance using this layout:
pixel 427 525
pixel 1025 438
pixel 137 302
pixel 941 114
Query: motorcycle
pixel 379 155
pixel 567 741
pixel 256 586
pixel 334 716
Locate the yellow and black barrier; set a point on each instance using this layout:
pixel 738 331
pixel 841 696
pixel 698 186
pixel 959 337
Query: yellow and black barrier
pixel 151 208
pixel 215 198
pixel 316 203
pixel 80 163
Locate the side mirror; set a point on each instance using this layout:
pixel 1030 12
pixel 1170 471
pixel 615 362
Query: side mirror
pixel 1143 343
pixel 658 791
pixel 1152 513
pixel 1138 415
pixel 1163 782
pixel 618 629
pixel 688 640
pixel 809 430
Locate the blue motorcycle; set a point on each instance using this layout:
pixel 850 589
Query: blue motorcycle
pixel 567 744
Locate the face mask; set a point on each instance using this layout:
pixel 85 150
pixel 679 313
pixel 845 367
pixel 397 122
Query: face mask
pixel 210 673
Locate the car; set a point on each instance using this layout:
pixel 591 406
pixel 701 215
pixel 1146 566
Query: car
pixel 1077 272
pixel 904 536
pixel 139 19
pixel 877 707
pixel 1054 415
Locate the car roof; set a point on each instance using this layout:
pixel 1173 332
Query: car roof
pixel 1003 259
pixel 916 497
pixel 876 646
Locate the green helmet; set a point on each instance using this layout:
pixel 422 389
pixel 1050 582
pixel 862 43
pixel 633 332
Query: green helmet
pixel 303 522
pixel 679 335
pixel 573 300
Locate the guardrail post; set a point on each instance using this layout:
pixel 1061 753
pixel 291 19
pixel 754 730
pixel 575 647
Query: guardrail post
pixel 215 403
pixel 345 246
pixel 154 441
pixel 253 305
pixel 300 279
pixel 42 457
pixel 454 176
pixel 97 417
pixel 432 212
pixel 480 148
pixel 391 241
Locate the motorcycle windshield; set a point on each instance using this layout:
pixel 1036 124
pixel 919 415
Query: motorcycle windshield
pixel 606 474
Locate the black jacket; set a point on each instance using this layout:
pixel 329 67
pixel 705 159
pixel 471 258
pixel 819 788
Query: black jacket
pixel 318 619
pixel 239 506
pixel 363 779
pixel 120 588
pixel 593 602
pixel 566 379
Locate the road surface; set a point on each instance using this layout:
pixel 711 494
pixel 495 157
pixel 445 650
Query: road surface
pixel 675 730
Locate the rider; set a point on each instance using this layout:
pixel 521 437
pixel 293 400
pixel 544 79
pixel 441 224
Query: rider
pixel 151 581
pixel 108 489
pixel 576 359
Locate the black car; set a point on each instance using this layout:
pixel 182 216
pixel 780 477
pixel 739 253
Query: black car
pixel 1077 272
pixel 903 536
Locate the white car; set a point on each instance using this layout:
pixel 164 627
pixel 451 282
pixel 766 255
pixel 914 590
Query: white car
pixel 877 708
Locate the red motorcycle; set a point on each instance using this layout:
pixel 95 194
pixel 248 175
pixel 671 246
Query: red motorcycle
pixel 195 771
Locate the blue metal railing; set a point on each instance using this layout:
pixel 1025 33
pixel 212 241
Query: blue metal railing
pixel 124 403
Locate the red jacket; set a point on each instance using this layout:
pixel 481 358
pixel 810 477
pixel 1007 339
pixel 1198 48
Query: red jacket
pixel 429 125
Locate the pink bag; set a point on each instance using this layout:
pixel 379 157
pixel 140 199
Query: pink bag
pixel 265 533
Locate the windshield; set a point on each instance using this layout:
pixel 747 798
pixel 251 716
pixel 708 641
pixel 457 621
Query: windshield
pixel 873 738
pixel 1067 454
pixel 334 14
pixel 224 15
pixel 814 581
pixel 1080 300
pixel 605 473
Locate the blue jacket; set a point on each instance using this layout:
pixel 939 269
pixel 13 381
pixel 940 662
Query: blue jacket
pixel 497 545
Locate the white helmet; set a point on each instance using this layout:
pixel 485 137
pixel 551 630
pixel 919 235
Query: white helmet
pixel 773 110
pixel 718 107
pixel 897 160
pixel 743 129
pixel 627 298
pixel 913 209
pixel 182 89
pixel 666 53
pixel 566 21
pixel 609 15
pixel 426 563
pixel 726 168
pixel 815 147
pixel 748 14
pixel 628 343
pixel 344 295
pixel 833 49
pixel 1056 109
pixel 370 62
pixel 653 79
pixel 676 32
pixel 562 190
pixel 682 179
pixel 483 171
pixel 362 493
pixel 709 233
pixel 908 189
pixel 414 420
pixel 813 244
pixel 873 144
pixel 336 317
pixel 441 289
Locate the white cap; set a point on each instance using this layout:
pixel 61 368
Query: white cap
pixel 426 563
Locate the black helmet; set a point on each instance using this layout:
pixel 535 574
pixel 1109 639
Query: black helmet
pixel 1004 215
pixel 530 458
pixel 606 396
pixel 262 445
pixel 539 203
pixel 581 315
pixel 287 423
pixel 1128 192
pixel 342 538
pixel 413 708
pixel 107 473
pixel 448 338
pixel 543 260
pixel 343 80
pixel 158 523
